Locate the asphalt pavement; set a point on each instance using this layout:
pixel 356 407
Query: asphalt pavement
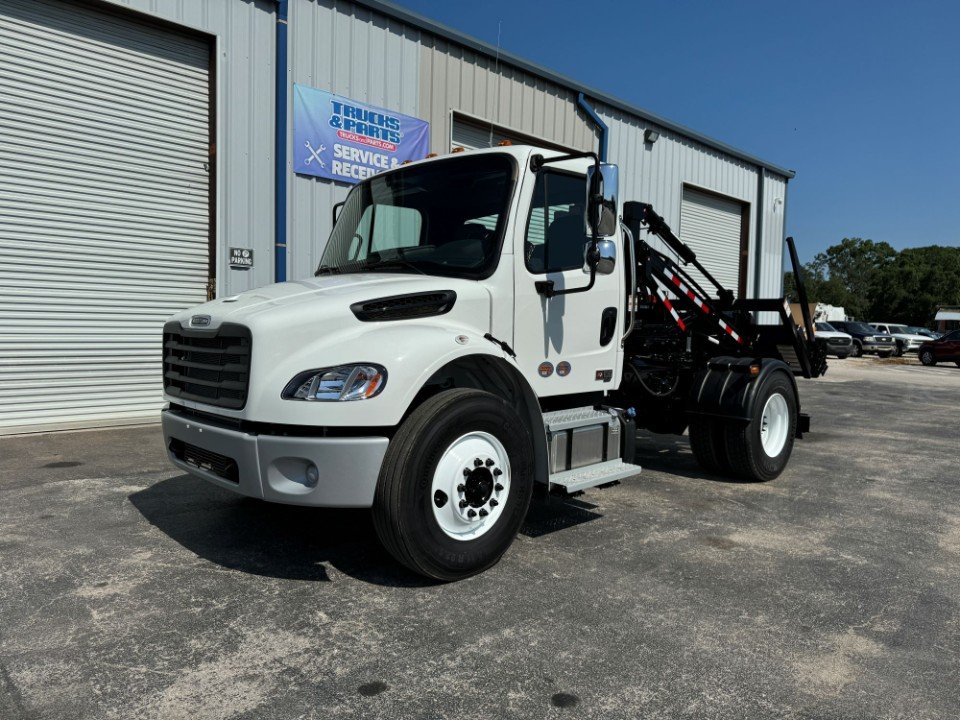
pixel 130 590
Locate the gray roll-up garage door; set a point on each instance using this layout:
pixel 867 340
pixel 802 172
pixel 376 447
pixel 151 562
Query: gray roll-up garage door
pixel 104 209
pixel 712 225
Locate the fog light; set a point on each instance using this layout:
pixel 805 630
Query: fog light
pixel 313 475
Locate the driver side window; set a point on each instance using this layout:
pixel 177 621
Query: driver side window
pixel 556 235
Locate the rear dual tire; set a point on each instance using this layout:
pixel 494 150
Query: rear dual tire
pixel 755 451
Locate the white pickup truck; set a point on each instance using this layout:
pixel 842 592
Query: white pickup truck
pixel 471 330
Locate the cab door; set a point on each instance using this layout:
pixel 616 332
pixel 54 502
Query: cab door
pixel 567 343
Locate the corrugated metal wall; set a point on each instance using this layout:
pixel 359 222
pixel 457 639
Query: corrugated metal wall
pixel 362 55
pixel 655 173
pixel 245 31
pixel 457 79
pixel 772 245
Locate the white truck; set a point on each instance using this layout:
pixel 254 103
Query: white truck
pixel 479 323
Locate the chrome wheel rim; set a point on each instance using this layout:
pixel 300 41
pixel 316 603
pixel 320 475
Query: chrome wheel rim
pixel 470 486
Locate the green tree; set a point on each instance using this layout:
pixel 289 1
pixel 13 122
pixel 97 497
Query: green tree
pixel 872 281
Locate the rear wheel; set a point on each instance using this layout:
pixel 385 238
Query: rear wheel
pixel 455 485
pixel 927 358
pixel 707 443
pixel 857 350
pixel 898 350
pixel 759 450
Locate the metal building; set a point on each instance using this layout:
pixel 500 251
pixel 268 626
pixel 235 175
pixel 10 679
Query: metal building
pixel 146 164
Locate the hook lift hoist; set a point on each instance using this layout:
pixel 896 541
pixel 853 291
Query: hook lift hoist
pixel 704 362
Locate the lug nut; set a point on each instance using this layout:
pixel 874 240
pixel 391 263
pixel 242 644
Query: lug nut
pixel 493 502
pixel 483 513
pixel 489 462
pixel 498 487
pixel 463 503
pixel 471 513
pixel 498 472
pixel 477 462
pixel 461 487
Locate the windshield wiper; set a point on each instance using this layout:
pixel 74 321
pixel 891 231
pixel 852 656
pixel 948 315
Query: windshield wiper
pixel 327 270
pixel 392 262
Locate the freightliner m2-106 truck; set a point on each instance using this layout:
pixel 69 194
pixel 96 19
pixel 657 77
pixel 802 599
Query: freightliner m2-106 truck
pixel 478 324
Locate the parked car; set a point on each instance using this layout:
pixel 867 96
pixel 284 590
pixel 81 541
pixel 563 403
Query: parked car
pixel 942 350
pixel 867 340
pixel 837 343
pixel 926 332
pixel 905 340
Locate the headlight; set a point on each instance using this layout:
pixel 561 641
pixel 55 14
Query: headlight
pixel 346 382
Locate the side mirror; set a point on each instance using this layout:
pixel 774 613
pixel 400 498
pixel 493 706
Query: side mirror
pixel 602 208
pixel 603 258
pixel 336 211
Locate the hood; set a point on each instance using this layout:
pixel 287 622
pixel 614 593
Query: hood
pixel 329 297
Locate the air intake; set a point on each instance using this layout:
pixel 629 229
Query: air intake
pixel 405 307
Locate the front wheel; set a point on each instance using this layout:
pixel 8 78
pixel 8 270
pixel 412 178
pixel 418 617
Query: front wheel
pixel 883 355
pixel 898 350
pixel 857 350
pixel 455 485
pixel 759 450
pixel 927 358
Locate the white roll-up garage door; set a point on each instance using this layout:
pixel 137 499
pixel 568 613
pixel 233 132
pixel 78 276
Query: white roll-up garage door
pixel 104 209
pixel 712 226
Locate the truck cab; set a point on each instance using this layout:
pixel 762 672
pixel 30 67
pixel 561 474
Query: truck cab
pixel 463 339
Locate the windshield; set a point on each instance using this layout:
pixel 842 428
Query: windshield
pixel 826 327
pixel 861 327
pixel 901 329
pixel 441 218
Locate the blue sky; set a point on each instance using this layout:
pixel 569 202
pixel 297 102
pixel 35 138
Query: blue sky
pixel 861 98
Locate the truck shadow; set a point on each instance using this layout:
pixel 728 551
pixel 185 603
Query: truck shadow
pixel 299 543
pixel 671 454
pixel 277 541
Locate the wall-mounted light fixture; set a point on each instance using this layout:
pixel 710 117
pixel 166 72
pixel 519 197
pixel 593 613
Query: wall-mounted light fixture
pixel 650 136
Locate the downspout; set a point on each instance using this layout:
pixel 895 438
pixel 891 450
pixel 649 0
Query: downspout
pixel 601 125
pixel 280 148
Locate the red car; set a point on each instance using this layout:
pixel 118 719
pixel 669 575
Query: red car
pixel 946 348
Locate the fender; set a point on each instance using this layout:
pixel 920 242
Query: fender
pixel 727 388
pixel 490 370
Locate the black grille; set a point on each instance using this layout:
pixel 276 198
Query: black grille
pixel 208 366
pixel 405 307
pixel 218 464
pixel 838 341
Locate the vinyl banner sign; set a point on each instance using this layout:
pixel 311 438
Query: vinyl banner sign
pixel 337 138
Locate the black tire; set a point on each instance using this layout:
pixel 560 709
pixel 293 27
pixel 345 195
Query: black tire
pixel 402 511
pixel 883 355
pixel 842 357
pixel 898 350
pixel 744 449
pixel 707 443
pixel 857 350
pixel 957 363
pixel 927 358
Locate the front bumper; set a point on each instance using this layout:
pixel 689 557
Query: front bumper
pixel 874 347
pixel 274 467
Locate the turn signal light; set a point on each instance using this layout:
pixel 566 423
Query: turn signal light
pixel 430 155
pixel 458 149
pixel 504 143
